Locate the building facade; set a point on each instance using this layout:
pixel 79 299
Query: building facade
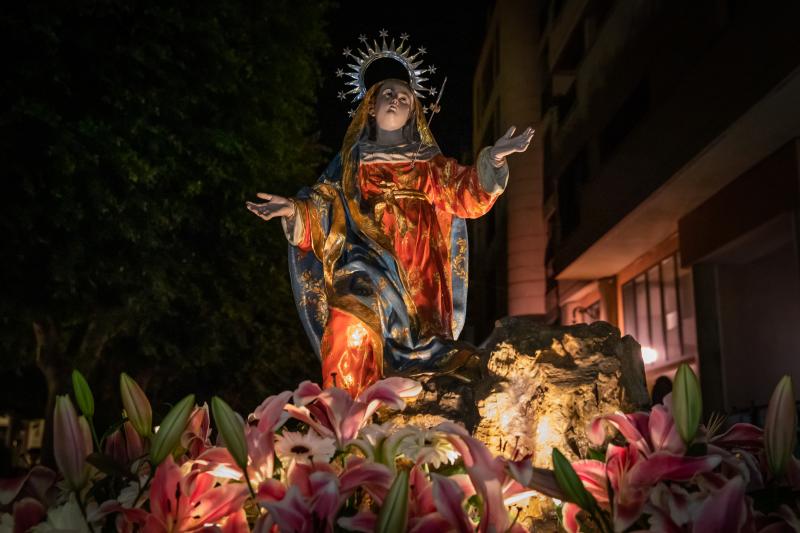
pixel 665 173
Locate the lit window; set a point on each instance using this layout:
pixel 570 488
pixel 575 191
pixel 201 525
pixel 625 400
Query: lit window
pixel 658 311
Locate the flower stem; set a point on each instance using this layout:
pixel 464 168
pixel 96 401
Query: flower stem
pixel 94 435
pixel 147 482
pixel 249 486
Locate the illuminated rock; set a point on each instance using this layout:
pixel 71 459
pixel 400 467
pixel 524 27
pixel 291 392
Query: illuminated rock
pixel 541 386
pixel 548 383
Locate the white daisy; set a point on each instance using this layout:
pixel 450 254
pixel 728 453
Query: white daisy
pixel 303 447
pixel 428 447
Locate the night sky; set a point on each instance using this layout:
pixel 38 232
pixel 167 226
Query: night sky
pixel 452 38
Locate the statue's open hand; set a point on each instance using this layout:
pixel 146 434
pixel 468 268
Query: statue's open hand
pixel 507 144
pixel 275 206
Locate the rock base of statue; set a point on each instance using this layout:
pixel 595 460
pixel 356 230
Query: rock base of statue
pixel 538 389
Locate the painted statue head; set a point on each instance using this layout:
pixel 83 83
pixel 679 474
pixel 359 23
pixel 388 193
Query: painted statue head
pixel 391 106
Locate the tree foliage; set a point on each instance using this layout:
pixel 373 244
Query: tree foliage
pixel 133 133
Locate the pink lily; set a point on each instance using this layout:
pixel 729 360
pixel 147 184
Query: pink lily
pixel 27 513
pixel 195 438
pixel 309 504
pixel 260 437
pixel 433 506
pixel 632 476
pixel 186 499
pixel 740 436
pixel 669 508
pixel 235 523
pixel 440 505
pixel 124 445
pixel 723 510
pixel 487 474
pixel 648 433
pixel 334 413
pixel 38 483
pixel 315 493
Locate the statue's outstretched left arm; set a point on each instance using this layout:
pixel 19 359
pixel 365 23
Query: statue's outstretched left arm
pixel 470 192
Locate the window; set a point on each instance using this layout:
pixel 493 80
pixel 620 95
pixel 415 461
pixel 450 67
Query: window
pixel 658 311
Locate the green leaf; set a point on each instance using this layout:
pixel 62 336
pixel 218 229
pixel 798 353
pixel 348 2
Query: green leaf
pixel 231 427
pixel 393 516
pixel 687 403
pixel 169 433
pixel 83 394
pixel 570 483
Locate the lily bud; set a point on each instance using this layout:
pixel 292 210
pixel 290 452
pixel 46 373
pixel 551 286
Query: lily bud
pixel 231 427
pixel 136 405
pixel 393 517
pixel 69 444
pixel 169 433
pixel 780 428
pixel 83 394
pixel 570 483
pixel 687 403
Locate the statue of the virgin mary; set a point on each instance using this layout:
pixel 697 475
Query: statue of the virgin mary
pixel 378 246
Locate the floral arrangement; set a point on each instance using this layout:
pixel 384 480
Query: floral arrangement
pixel 312 460
pixel 665 471
pixel 334 470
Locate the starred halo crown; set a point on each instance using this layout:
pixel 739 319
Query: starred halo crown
pixel 363 57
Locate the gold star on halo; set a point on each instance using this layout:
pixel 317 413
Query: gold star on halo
pixel 433 91
pixel 421 50
pixel 339 73
pixel 403 36
pixel 383 33
pixel 362 38
pixel 346 52
pixel 432 69
pixel 340 96
pixel 351 113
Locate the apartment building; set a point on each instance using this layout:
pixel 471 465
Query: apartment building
pixel 663 191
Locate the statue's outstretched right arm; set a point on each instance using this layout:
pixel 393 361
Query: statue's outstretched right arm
pixel 293 217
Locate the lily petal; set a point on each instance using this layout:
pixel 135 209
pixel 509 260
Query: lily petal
pixel 270 413
pixel 723 510
pixel 569 516
pixel 741 435
pixel 27 512
pixel 663 433
pixel 375 478
pixel 665 466
pixel 449 500
pixel 363 522
pixel 593 476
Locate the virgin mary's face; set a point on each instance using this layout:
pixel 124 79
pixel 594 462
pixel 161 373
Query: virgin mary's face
pixel 393 105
